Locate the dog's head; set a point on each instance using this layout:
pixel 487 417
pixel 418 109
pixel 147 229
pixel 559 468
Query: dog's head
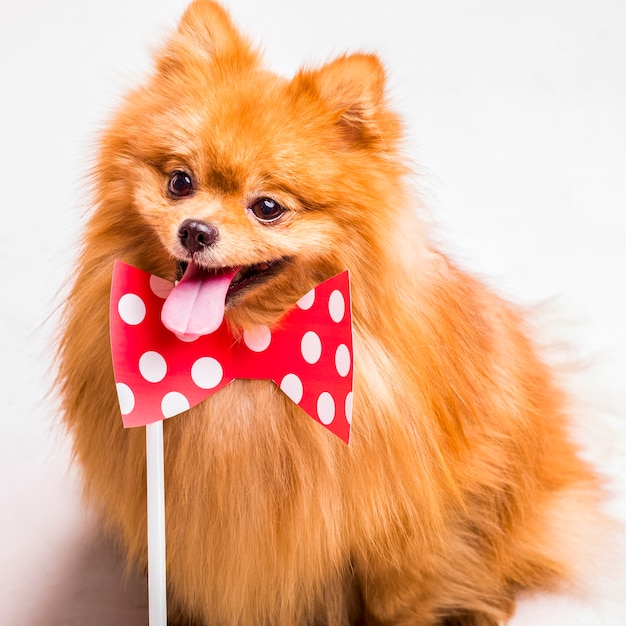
pixel 249 187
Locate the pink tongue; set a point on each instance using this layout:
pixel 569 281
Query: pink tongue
pixel 195 307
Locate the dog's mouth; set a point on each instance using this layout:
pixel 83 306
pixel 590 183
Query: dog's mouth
pixel 251 275
pixel 196 305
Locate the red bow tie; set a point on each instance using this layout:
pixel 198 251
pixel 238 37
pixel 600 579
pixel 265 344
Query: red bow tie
pixel 158 375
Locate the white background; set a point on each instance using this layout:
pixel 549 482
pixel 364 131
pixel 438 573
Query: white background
pixel 516 115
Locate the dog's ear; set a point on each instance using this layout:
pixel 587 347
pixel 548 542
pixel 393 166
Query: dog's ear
pixel 354 88
pixel 205 33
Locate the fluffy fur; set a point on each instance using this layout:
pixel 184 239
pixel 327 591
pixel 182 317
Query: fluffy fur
pixel 459 486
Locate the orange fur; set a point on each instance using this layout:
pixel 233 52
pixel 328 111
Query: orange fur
pixel 447 500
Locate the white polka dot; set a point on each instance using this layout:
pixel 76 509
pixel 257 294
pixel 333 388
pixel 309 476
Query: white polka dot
pixel 349 407
pixel 160 287
pixel 336 306
pixel 126 398
pixel 307 300
pixel 173 403
pixel 257 338
pixel 207 372
pixel 342 360
pixel 291 386
pixel 131 309
pixel 152 366
pixel 326 408
pixel 311 347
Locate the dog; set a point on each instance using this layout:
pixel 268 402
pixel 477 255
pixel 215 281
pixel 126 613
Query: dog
pixel 460 487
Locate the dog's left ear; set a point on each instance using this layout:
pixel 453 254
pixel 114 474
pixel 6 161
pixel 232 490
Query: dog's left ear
pixel 354 88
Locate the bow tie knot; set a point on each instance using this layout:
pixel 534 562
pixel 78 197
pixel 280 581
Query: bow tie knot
pixel 159 375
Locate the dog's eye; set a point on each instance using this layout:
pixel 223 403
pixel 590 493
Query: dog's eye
pixel 180 184
pixel 266 210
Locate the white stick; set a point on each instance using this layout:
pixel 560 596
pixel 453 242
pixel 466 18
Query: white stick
pixel 157 604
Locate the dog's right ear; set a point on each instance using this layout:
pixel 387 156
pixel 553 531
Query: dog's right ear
pixel 206 33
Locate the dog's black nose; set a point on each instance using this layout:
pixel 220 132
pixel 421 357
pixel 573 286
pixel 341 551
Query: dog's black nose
pixel 195 235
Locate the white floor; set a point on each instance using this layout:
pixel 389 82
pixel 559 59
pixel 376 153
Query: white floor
pixel 517 117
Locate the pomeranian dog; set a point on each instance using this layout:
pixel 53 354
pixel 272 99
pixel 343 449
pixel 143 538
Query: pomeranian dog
pixel 460 487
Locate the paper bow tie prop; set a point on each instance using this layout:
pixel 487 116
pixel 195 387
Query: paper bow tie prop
pixel 158 375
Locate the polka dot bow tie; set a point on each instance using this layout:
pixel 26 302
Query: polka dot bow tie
pixel 159 375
